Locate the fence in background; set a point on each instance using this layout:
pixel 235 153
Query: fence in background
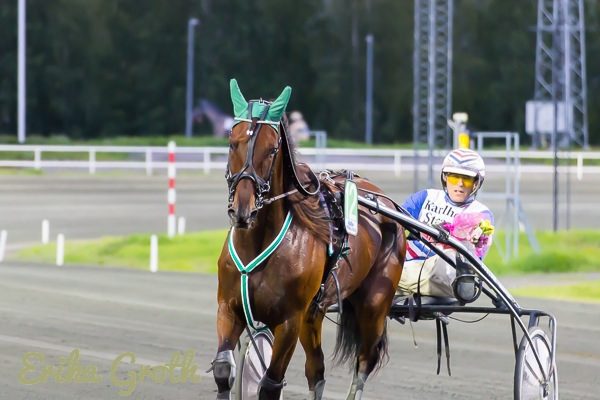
pixel 207 159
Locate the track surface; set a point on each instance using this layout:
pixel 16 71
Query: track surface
pixel 105 312
pixel 83 206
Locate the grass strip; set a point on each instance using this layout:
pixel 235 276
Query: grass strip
pixel 195 252
pixel 585 292
pixel 564 251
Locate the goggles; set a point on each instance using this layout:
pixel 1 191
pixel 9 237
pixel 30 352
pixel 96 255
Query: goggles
pixel 467 181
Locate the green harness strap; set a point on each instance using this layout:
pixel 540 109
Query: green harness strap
pixel 245 270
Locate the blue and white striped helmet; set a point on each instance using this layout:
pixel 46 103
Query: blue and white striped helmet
pixel 464 162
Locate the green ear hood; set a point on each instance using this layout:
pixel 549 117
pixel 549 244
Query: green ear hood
pixel 240 105
pixel 276 108
pixel 279 105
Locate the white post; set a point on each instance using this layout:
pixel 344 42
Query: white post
pixel 397 163
pixel 3 235
pixel 153 253
pixel 37 158
pixel 181 226
pixel 206 161
pixel 148 162
pixel 45 231
pixel 60 250
pixel 171 192
pixel 92 165
pixel 579 166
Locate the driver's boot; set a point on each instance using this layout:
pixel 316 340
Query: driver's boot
pixel 465 284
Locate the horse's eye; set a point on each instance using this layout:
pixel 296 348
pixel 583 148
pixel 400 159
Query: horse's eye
pixel 273 151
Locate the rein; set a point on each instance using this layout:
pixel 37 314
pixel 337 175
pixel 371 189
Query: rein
pixel 292 166
pixel 281 196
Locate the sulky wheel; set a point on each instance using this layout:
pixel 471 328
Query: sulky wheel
pixel 250 368
pixel 529 382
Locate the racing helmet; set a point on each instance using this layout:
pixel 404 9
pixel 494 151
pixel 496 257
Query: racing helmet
pixel 464 162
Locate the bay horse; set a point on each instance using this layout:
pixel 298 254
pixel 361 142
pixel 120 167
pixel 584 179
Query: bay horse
pixel 274 259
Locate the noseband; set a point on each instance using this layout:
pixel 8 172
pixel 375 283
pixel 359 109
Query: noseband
pixel 261 186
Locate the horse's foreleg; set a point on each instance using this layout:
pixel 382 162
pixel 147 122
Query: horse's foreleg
pixel 286 337
pixel 229 329
pixel 314 368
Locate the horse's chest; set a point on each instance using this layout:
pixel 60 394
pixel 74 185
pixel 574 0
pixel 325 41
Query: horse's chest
pixel 280 286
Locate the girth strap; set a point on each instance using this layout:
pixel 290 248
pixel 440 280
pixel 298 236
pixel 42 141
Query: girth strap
pixel 336 248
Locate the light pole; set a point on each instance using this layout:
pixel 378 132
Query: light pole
pixel 21 72
pixel 369 92
pixel 189 98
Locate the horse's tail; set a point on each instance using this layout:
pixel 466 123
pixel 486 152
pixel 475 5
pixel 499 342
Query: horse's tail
pixel 347 346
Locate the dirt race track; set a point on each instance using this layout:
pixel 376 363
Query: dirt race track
pixel 114 203
pixel 105 312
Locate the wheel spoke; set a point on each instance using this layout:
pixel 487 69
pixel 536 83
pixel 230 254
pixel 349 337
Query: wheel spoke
pixel 533 371
pixel 257 372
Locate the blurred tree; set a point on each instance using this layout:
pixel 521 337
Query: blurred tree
pixel 117 67
pixel 8 66
pixel 494 62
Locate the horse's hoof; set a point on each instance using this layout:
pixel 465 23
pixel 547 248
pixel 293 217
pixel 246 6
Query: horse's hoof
pixel 355 395
pixel 224 395
pixel 352 392
pixel 269 388
pixel 357 386
pixel 317 393
pixel 223 368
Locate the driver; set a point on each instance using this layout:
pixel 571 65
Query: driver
pixel 455 209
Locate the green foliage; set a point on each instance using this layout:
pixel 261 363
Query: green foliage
pixel 103 68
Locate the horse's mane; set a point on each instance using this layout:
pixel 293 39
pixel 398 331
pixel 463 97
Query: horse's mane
pixel 307 210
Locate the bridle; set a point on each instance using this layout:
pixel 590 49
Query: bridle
pixel 262 186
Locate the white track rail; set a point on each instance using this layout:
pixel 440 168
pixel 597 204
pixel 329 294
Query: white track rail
pixel 206 159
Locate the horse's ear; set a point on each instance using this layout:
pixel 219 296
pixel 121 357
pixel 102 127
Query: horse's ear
pixel 278 106
pixel 240 105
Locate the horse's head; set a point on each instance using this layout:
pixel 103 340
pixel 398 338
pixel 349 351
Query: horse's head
pixel 254 145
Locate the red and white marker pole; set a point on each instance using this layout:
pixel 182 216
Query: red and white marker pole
pixel 171 225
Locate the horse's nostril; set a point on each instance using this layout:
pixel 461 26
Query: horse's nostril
pixel 231 213
pixel 253 214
